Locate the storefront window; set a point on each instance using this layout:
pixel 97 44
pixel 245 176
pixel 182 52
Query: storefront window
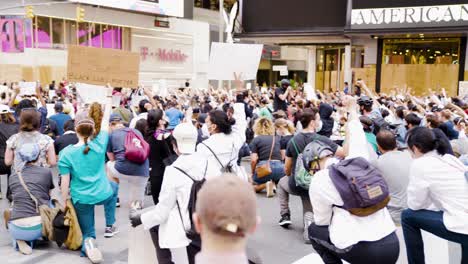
pixel 421 51
pixel 83 34
pixel 96 35
pixel 58 33
pixel 213 4
pixel 42 36
pixel 28 31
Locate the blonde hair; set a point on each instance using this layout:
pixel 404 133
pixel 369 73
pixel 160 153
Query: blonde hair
pixel 264 127
pixel 286 124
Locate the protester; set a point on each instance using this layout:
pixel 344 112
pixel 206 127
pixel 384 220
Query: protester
pixel 8 128
pixel 285 129
pixel 437 196
pixel 395 168
pixel 325 111
pixel 266 151
pixel 68 138
pixel 174 115
pixel 30 186
pixel 281 96
pixel 224 232
pixel 310 121
pixel 89 185
pixel 60 117
pixel 373 238
pixel 124 171
pixel 29 133
pixel 171 214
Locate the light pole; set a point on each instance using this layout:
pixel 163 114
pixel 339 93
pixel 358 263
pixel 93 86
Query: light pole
pixel 221 33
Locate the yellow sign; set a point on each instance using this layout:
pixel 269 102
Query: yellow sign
pixel 101 66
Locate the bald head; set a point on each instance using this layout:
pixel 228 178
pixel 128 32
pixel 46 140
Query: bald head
pixel 386 140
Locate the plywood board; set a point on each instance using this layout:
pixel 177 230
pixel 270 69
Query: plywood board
pixel 101 66
pixel 420 77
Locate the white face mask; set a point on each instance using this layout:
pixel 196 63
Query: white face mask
pixel 319 126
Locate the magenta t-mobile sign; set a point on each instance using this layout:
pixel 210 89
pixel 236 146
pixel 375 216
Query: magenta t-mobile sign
pixel 12 34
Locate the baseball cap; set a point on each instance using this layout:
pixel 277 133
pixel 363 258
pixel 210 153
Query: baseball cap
pixel 186 136
pixel 29 152
pixel 115 118
pixel 4 109
pixel 285 82
pixel 227 205
pixel 201 118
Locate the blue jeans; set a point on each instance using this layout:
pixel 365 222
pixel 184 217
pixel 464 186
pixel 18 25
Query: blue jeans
pixel 85 214
pixel 27 234
pixel 277 168
pixel 415 221
pixel 383 251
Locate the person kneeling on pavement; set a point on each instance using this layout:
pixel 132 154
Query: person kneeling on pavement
pixel 358 231
pixel 30 186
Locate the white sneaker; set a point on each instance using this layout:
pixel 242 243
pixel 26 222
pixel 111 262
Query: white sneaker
pixel 24 247
pixel 111 231
pixel 270 188
pixel 93 253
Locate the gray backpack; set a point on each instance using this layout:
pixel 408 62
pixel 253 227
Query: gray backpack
pixel 360 185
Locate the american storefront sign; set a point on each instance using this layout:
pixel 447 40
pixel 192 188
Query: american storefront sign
pixel 411 17
pixel 164 55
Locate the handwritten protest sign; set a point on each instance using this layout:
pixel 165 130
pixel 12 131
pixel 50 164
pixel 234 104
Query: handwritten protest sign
pixel 27 88
pixel 463 89
pixel 101 66
pixel 227 59
pixel 88 93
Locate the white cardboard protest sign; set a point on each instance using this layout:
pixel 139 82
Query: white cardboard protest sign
pixel 463 89
pixel 89 93
pixel 50 110
pixel 280 68
pixel 310 92
pixel 227 59
pixel 27 88
pixel 3 89
pixel 116 100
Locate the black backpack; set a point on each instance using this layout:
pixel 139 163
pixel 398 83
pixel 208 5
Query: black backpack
pixel 380 123
pixel 196 186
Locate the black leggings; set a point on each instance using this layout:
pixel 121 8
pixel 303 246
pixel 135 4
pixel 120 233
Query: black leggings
pixel 383 251
pixel 6 170
pixel 164 255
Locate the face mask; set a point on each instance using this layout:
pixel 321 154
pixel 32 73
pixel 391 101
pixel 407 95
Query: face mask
pixel 319 126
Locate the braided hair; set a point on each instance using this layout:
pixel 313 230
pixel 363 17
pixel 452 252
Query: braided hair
pixel 85 128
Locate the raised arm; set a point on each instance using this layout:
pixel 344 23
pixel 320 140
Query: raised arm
pixel 16 91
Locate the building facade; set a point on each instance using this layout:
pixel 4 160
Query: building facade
pixel 172 48
pixel 388 43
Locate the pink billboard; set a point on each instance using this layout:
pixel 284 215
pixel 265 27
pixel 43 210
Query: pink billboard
pixel 12 34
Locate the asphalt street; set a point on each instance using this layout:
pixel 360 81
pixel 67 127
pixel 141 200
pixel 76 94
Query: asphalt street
pixel 272 243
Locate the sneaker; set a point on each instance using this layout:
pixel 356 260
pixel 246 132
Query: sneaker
pixel 270 189
pixel 308 220
pixel 117 204
pixel 285 221
pixel 24 247
pixel 111 231
pixel 93 253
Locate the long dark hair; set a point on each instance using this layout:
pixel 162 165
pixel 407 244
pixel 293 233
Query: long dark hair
pixel 425 140
pixel 222 121
pixel 154 116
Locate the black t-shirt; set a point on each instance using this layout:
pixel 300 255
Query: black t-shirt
pixel 262 146
pixel 39 182
pixel 444 142
pixel 64 141
pixel 6 131
pixel 302 140
pixel 279 104
pixel 285 140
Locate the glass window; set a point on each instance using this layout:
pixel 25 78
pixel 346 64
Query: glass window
pixel 421 51
pixel 70 31
pixel 111 37
pixel 96 35
pixel 83 34
pixel 42 36
pixel 28 31
pixel 58 33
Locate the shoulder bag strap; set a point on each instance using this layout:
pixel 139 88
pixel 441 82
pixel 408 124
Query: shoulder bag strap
pixel 20 176
pixel 222 166
pixel 295 146
pixel 272 147
pixel 181 170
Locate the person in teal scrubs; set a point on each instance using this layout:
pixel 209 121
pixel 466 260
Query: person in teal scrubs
pixel 82 169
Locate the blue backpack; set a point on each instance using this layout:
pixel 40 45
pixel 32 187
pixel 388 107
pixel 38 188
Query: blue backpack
pixel 360 185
